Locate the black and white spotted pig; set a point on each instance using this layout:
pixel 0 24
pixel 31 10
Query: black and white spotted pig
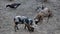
pixel 23 20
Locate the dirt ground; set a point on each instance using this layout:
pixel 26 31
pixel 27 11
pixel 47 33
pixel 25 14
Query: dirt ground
pixel 27 8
